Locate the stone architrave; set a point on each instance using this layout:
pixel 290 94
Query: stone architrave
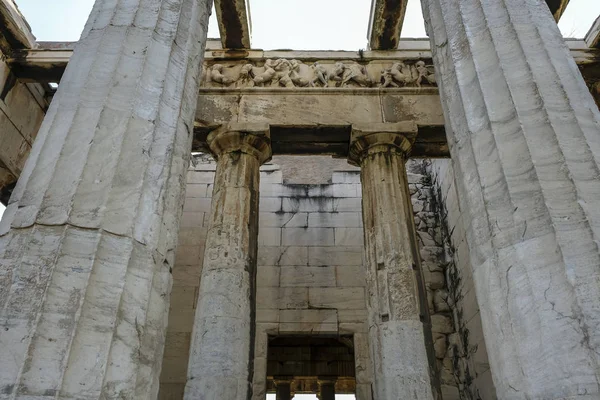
pixel 524 135
pixel 88 239
pixel 222 350
pixel 395 307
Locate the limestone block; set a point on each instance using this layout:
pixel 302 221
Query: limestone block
pixel 351 275
pixel 173 370
pixel 398 108
pixel 335 220
pixel 338 255
pixel 441 324
pixel 177 344
pixel 214 110
pixel 181 320
pixel 310 204
pixel 308 321
pixel 338 298
pixel 346 328
pixel 192 219
pixel 280 256
pixel 440 347
pixel 308 276
pixel 349 316
pixel 186 275
pixel 440 301
pixel 183 297
pixel 171 391
pixel 346 177
pixel 188 255
pixel 192 236
pixel 283 220
pixel 271 177
pixel 364 367
pixel 271 204
pixel 349 237
pixel 267 315
pixel 346 190
pixel 197 204
pixel 295 109
pixel 326 190
pixel 307 237
pixel 347 205
pixel 268 276
pixel 269 236
pixel 282 298
pixel 202 177
pixel 196 190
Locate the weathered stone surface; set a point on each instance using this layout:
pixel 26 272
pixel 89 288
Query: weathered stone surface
pixel 523 133
pixel 222 350
pixel 89 236
pixel 385 24
pixel 396 333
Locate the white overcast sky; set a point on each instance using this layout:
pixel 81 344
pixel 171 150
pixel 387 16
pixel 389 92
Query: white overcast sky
pixel 284 24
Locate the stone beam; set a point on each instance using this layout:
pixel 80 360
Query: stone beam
pixel 51 58
pixel 235 25
pixel 385 23
pixel 557 7
pixel 333 140
pixel 592 39
pixel 44 65
pixel 15 33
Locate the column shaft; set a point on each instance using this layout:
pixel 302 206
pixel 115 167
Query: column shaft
pixel 327 390
pixel 88 239
pixel 222 351
pixel 396 331
pixel 524 135
pixel 284 390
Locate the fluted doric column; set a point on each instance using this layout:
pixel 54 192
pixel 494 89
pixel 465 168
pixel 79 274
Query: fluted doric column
pixel 222 350
pixel 88 239
pixel 524 135
pixel 395 304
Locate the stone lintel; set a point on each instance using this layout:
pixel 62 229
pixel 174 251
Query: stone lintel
pixel 593 36
pixel 46 63
pixel 400 136
pixel 250 138
pixel 385 25
pixel 15 33
pixel 557 7
pixel 234 23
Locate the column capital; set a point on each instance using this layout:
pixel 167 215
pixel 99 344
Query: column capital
pixel 383 136
pixel 249 138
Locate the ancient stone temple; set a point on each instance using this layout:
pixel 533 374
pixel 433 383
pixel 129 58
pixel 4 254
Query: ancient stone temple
pixel 197 219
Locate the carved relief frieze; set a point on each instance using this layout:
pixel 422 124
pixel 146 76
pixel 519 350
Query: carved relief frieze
pixel 284 73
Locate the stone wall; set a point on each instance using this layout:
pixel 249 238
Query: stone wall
pixel 310 270
pixel 22 109
pixel 465 363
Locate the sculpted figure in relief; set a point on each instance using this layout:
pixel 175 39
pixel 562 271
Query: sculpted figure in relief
pixel 321 75
pixel 424 74
pixel 216 74
pixel 358 74
pixel 266 76
pixel 338 72
pixel 294 73
pixel 295 76
pixel 246 78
